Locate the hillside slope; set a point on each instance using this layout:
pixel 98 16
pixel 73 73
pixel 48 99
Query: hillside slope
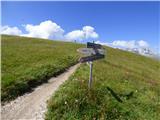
pixel 125 86
pixel 27 62
pixel 33 105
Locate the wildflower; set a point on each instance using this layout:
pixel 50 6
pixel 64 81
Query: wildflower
pixel 76 100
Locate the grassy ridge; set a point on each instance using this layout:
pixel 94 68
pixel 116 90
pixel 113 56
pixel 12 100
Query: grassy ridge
pixel 27 62
pixel 126 86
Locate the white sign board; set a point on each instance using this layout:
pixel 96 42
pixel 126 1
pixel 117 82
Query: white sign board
pixel 90 51
pixel 87 51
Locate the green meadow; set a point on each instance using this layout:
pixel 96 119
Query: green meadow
pixel 27 62
pixel 125 86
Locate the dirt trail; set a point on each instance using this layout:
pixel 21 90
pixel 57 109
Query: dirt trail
pixel 32 106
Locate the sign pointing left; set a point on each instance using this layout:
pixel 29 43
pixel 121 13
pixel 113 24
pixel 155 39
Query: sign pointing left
pixel 91 58
pixel 87 51
pixel 90 51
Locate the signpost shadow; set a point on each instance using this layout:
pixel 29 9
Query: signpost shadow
pixel 118 96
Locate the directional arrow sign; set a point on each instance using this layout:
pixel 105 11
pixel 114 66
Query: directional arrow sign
pixel 87 51
pixel 93 45
pixel 90 51
pixel 96 52
pixel 91 58
pixel 101 51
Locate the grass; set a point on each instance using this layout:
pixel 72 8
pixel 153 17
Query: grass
pixel 27 62
pixel 125 86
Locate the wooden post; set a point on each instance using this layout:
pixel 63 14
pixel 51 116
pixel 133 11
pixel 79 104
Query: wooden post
pixel 90 76
pixel 95 54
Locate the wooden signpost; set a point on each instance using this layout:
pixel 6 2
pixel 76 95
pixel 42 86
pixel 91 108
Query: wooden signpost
pixel 93 45
pixel 91 58
pixel 86 51
pixel 95 52
pixel 90 51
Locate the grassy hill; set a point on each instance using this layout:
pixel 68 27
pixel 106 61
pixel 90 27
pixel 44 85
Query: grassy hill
pixel 126 86
pixel 27 62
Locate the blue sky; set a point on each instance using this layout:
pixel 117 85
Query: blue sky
pixel 111 20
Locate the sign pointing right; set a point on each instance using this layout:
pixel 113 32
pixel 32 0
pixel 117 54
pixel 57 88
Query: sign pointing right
pixel 91 58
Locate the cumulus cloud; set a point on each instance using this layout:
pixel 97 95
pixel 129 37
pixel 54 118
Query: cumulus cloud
pixel 102 43
pixel 87 32
pixel 125 44
pixel 75 35
pixel 50 30
pixel 143 43
pixel 10 30
pixel 140 46
pixel 46 29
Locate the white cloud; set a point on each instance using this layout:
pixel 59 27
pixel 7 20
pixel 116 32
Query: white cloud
pixel 10 30
pixel 140 47
pixel 124 44
pixel 50 30
pixel 102 43
pixel 143 43
pixel 132 44
pixel 46 29
pixel 87 32
pixel 75 35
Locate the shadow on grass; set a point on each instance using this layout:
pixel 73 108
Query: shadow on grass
pixel 117 96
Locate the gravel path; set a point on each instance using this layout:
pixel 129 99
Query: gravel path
pixel 32 106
